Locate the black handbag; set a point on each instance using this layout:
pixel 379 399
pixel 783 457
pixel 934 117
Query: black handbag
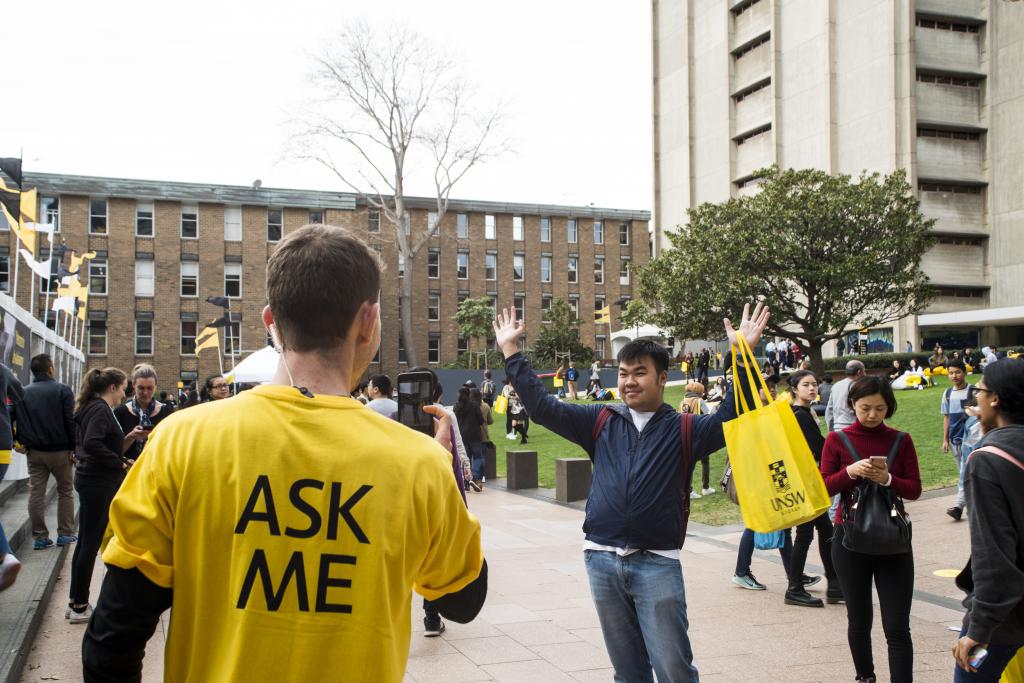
pixel 874 519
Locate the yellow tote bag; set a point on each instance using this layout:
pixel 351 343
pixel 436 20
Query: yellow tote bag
pixel 1014 672
pixel 501 404
pixel 558 382
pixel 777 481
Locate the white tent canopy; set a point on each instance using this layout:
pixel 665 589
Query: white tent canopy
pixel 256 368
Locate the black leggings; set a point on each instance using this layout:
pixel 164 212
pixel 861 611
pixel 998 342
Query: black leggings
pixel 522 424
pixel 93 514
pixel 894 580
pixel 705 472
pixel 804 535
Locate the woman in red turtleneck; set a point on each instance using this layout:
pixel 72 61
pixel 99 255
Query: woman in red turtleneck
pixel 873 402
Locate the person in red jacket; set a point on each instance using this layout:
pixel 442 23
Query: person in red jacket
pixel 872 401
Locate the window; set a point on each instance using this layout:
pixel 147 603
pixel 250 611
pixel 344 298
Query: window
pixel 189 221
pixel 373 220
pixel 144 219
pixel 751 46
pixel 190 278
pixel 598 232
pixel 517 228
pixel 233 223
pixel 232 338
pixel 519 301
pixel 574 304
pixel 960 292
pixel 573 267
pixel 145 273
pixel 961 241
pixel 946 134
pixel 462 346
pixel 53 282
pixel 600 346
pixel 433 264
pixel 433 307
pixel 434 350
pixel 316 217
pixel 545 268
pixel 954 26
pixel 233 280
pixel 545 229
pixel 462 269
pixel 968 82
pixel 5 273
pixel 948 188
pixel 97 216
pixel 49 211
pixel 489 227
pixel 624 234
pixel 143 337
pixel 598 303
pixel 743 7
pixel 431 219
pixel 188 337
pixel 98 280
pixel 401 264
pixel 570 228
pixel 750 134
pixel 462 225
pixel 751 89
pixel 624 271
pixel 545 306
pixel 598 271
pixel 97 337
pixel 518 267
pixel 401 350
pixel 491 266
pixel 275 227
pixel 493 296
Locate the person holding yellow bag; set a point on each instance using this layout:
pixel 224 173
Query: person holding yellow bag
pixel 643 453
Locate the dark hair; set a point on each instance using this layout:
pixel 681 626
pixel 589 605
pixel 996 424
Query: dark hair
pixel 96 382
pixel 438 389
pixel 1005 379
pixel 827 379
pixel 311 311
pixel 204 393
pixel 635 351
pixel 956 363
pixel 476 395
pixel 382 383
pixel 41 364
pixel 795 378
pixel 487 374
pixel 870 385
pixel 463 405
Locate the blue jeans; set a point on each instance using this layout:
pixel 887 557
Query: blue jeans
pixel 5 547
pixel 961 452
pixel 476 457
pixel 746 552
pixel 641 603
pixel 991 670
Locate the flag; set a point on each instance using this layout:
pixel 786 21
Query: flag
pixel 29 205
pixel 83 303
pixel 72 287
pixel 220 322
pixel 59 251
pixel 64 303
pixel 623 302
pixel 45 228
pixel 10 201
pixel 221 301
pixel 12 167
pixel 20 209
pixel 63 273
pixel 77 259
pixel 40 268
pixel 208 338
pixel 603 315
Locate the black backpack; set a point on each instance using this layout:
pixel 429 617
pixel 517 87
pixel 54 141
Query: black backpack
pixel 874 519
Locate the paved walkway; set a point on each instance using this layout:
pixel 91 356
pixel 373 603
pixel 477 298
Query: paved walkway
pixel 539 624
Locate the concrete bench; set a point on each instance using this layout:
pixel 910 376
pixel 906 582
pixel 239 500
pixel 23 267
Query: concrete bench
pixel 522 469
pixel 490 462
pixel 572 479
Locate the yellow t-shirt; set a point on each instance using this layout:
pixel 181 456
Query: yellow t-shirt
pixel 292 530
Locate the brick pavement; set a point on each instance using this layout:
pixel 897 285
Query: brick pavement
pixel 540 625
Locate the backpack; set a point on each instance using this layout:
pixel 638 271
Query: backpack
pixel 874 520
pixel 686 436
pixel 949 392
pixel 487 388
pixel 691 405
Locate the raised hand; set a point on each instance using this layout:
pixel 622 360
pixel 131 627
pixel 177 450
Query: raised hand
pixel 751 325
pixel 507 331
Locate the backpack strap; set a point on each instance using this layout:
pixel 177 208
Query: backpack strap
pixel 893 450
pixel 686 478
pixel 849 446
pixel 602 417
pixel 999 452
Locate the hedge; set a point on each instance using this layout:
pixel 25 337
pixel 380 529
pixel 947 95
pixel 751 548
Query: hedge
pixel 878 361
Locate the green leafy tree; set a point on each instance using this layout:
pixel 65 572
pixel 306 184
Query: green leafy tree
pixel 825 252
pixel 474 318
pixel 560 334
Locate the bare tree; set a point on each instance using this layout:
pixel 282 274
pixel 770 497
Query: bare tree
pixel 391 99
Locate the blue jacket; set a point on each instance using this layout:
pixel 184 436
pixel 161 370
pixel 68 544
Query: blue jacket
pixel 636 496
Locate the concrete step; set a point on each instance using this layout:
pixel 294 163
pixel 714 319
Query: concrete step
pixel 22 605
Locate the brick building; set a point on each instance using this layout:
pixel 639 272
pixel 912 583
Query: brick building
pixel 162 248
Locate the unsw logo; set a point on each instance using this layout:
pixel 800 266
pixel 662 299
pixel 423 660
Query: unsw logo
pixel 786 498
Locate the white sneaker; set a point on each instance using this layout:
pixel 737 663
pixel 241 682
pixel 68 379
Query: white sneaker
pixel 708 491
pixel 9 568
pixel 695 496
pixel 511 436
pixel 81 617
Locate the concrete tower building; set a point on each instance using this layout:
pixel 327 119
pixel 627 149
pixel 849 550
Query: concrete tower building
pixel 935 87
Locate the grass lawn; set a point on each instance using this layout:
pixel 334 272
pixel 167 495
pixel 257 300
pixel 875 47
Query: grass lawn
pixel 918 415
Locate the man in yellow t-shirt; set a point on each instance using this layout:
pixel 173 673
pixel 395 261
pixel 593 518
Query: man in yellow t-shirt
pixel 287 526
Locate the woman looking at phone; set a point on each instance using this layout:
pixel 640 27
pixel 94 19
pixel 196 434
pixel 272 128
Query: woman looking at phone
pixel 845 473
pixel 142 410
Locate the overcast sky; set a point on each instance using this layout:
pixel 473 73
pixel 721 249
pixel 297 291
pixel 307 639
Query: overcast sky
pixel 206 91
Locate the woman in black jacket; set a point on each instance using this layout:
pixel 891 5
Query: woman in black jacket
pixel 471 428
pixel 804 388
pixel 100 448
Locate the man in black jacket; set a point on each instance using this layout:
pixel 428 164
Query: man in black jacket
pixel 46 426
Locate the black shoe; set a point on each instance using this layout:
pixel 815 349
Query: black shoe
pixel 432 627
pixel 801 598
pixel 834 596
pixel 955 512
pixel 810 580
pixel 475 486
pixel 523 441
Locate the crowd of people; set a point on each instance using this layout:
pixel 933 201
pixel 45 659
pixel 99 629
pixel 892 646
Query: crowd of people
pixel 318 511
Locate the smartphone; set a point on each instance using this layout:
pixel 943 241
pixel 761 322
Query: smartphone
pixel 879 461
pixel 976 657
pixel 415 390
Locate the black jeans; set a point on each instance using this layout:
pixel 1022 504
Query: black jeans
pixel 804 535
pixel 93 514
pixel 894 579
pixel 705 472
